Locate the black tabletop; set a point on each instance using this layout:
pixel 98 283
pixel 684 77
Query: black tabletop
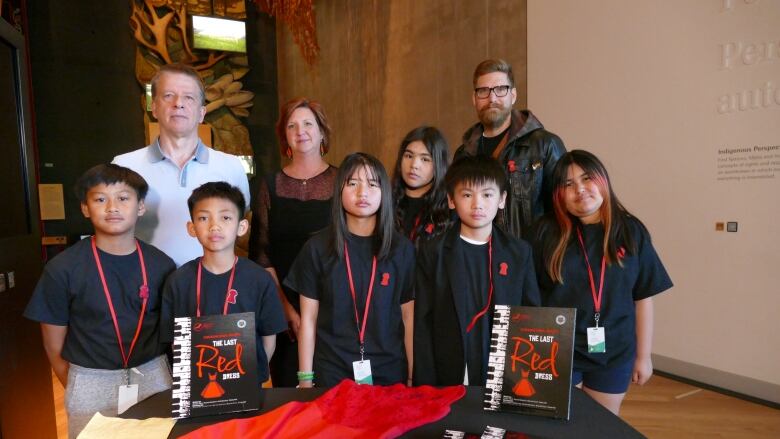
pixel 588 418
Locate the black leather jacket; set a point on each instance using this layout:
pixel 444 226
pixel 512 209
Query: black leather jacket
pixel 529 158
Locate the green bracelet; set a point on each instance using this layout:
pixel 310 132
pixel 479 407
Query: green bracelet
pixel 305 376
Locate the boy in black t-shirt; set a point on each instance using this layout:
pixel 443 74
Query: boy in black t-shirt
pixel 220 282
pixel 461 275
pixel 98 303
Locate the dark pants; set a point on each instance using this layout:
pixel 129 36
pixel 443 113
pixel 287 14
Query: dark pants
pixel 284 363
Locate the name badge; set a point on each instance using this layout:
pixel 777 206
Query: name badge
pixel 362 371
pixel 596 340
pixel 128 397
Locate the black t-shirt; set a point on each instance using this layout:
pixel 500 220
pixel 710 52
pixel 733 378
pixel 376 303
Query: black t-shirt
pixel 642 276
pixel 70 293
pixel 318 274
pixel 477 348
pixel 256 293
pixel 412 207
pixel 489 144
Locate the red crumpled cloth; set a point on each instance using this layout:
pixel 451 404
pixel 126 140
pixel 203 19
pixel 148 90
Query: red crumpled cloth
pixel 348 410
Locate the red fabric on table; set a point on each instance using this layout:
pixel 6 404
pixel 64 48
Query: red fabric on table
pixel 348 410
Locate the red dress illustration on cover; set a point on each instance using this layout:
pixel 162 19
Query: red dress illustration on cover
pixel 212 389
pixel 524 387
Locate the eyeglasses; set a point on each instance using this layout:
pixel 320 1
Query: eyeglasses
pixel 500 91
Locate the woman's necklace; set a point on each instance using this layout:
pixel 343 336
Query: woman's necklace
pixel 305 180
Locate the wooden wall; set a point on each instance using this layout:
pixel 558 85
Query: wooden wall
pixel 386 67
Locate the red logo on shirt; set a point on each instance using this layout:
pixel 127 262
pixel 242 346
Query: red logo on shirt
pixel 429 228
pixel 511 166
pixel 621 252
pixel 502 267
pixel 385 279
pixel 232 294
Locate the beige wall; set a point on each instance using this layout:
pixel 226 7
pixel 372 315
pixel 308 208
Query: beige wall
pixel 389 66
pixel 648 87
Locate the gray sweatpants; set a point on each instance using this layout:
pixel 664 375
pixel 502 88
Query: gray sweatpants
pixel 97 390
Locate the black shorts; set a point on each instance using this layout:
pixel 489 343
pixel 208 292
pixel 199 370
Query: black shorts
pixel 610 380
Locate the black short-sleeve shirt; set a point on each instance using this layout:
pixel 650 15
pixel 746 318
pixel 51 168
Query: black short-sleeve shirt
pixel 70 293
pixel 318 274
pixel 641 276
pixel 412 207
pixel 256 293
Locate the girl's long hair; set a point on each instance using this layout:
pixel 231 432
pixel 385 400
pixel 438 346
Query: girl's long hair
pixel 435 210
pixel 614 217
pixel 383 231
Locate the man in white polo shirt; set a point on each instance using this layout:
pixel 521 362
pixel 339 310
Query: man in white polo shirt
pixel 178 162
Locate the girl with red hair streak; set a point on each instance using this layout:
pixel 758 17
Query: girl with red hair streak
pixel 593 255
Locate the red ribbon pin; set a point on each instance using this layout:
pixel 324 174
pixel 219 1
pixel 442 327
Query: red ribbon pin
pixel 231 298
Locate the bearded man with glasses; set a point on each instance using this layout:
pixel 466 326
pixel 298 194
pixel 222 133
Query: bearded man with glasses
pixel 518 140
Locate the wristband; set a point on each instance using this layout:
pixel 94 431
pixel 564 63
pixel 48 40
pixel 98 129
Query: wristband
pixel 305 376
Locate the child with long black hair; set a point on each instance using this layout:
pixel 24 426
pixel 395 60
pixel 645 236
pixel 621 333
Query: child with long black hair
pixel 418 184
pixel 593 255
pixel 355 280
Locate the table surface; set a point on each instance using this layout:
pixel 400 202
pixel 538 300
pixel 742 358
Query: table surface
pixel 588 419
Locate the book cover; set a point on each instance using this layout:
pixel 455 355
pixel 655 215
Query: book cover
pixel 214 365
pixel 489 433
pixel 530 363
pixel 456 434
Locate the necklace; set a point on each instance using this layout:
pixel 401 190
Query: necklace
pixel 304 181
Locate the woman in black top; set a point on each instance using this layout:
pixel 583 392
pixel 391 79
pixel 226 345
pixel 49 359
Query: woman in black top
pixel 419 196
pixel 291 205
pixel 593 255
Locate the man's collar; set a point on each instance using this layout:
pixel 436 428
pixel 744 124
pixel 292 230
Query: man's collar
pixel 201 152
pixel 156 154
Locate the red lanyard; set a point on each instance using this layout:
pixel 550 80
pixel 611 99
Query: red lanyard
pixel 596 297
pixel 414 228
pixel 490 291
pixel 230 294
pixel 143 293
pixel 361 329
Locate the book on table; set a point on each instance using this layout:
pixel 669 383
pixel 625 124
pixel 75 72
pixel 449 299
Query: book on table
pixel 490 432
pixel 530 362
pixel 214 365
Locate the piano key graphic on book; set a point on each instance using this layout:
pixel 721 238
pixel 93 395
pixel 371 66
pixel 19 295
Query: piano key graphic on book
pixel 498 344
pixel 182 360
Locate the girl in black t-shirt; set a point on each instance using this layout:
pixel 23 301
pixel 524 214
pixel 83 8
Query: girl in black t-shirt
pixel 418 184
pixel 355 284
pixel 593 255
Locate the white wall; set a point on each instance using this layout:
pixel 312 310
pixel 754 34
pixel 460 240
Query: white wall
pixel 647 86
